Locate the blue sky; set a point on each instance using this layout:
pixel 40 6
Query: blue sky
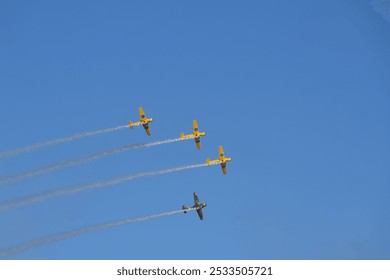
pixel 296 92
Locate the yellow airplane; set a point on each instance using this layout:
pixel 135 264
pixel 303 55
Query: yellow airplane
pixel 196 134
pixel 143 120
pixel 222 160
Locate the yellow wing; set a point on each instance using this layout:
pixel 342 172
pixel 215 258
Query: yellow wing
pixel 195 127
pixel 223 165
pixel 197 134
pixel 197 142
pixel 142 114
pixel 221 153
pixel 147 129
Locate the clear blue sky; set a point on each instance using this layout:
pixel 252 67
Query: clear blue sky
pixel 297 92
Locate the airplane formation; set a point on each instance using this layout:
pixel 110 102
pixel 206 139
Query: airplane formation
pixel 145 122
pixel 196 135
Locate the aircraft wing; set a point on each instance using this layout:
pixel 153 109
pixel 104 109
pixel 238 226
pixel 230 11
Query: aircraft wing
pixel 223 165
pixel 197 142
pixel 196 199
pixel 142 114
pixel 195 127
pixel 221 153
pixel 196 133
pixel 200 213
pixel 146 127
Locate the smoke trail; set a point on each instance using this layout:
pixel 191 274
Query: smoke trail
pixel 41 145
pixel 60 236
pixel 79 188
pixel 74 162
pixel 382 7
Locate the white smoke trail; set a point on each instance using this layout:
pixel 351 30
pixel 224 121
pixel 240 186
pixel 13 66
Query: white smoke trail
pixel 382 7
pixel 73 162
pixel 41 145
pixel 79 188
pixel 64 235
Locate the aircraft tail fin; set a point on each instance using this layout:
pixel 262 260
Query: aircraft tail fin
pixel 182 135
pixel 184 208
pixel 208 161
pixel 131 124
